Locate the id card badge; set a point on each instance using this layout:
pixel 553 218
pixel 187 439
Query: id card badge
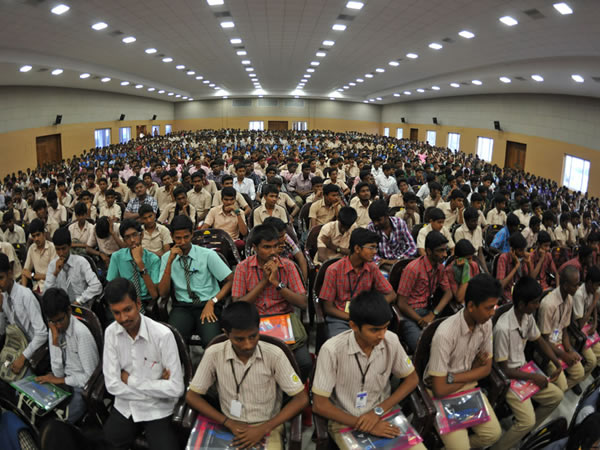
pixel 555 335
pixel 236 408
pixel 347 308
pixel 361 400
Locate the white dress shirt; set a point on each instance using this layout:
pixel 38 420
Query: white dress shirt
pixel 146 396
pixel 386 184
pixel 76 278
pixel 245 187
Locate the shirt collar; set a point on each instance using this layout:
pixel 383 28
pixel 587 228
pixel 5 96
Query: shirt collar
pixel 70 331
pixel 354 348
pixel 230 353
pixel 142 332
pixel 464 326
pixel 347 266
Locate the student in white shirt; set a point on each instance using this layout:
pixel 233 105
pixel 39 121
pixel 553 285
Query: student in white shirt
pixel 142 370
pixel 242 184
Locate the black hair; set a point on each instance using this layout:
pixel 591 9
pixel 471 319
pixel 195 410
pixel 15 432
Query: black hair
pixel 182 223
pixel 50 197
pixel 517 241
pixel 362 236
pixel 594 236
pixel 347 216
pixel 526 290
pixel 361 185
pixel 130 223
pixel 533 221
pixel 111 192
pixel 103 227
pixel 378 208
pixel 543 237
pixel 476 197
pixel 370 308
pixel 564 217
pixel 409 197
pixel 548 215
pixel 198 174
pixel 116 290
pixel 8 216
pixel 179 190
pixel 512 220
pixel 276 223
pixel 464 248
pixel 432 214
pixel 39 204
pixel 585 251
pixel 36 226
pixel 270 189
pixel 80 209
pixel 144 209
pixel 263 233
pixel 481 288
pixel 316 180
pixel 240 316
pixel 329 188
pixel 434 239
pixel 585 435
pixel 61 237
pixel 471 214
pixel 5 265
pixel 457 194
pixel 54 301
pixel 593 274
pixel 228 191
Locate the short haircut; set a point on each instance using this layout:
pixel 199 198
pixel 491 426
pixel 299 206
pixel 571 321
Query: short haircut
pixel 103 227
pixel 39 204
pixel 543 237
pixel 594 236
pixel 548 215
pixel 464 248
pixel 51 196
pixel 347 216
pixel 526 290
pixel 585 251
pixel 54 301
pixel 5 266
pixel 270 189
pixel 329 188
pixel 61 237
pixel 198 174
pixel 370 308
pixel 129 223
pixel 36 226
pixel 80 209
pixel 261 233
pixel 361 185
pixel 568 271
pixel 182 223
pixel 8 216
pixel 276 223
pixel 409 197
pixel 228 191
pixel 481 288
pixel 117 289
pixel 512 220
pixel 457 194
pixel 432 214
pixel 226 178
pixel 378 208
pixel 593 274
pixel 471 213
pixel 434 239
pixel 240 316
pixel 564 217
pixel 362 236
pixel 316 180
pixel 535 220
pixel 517 241
pixel 144 209
pixel 111 193
pixel 476 197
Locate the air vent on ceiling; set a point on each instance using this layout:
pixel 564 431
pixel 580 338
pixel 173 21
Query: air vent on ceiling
pixel 520 79
pixel 534 14
pixel 116 33
pixel 242 102
pixel 223 14
pixel 448 40
pixel 267 102
pixel 43 69
pixel 345 17
pixel 596 79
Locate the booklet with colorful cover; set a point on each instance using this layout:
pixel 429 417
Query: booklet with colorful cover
pixel 525 389
pixel 209 435
pixel 562 363
pixel 45 395
pixel 460 410
pixel 279 326
pixel 592 339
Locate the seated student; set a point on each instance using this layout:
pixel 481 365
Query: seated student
pixel 361 204
pixel 513 329
pixel 435 219
pixel 10 208
pixel 377 355
pixel 287 247
pixel 283 198
pixel 419 281
pixel 274 285
pixel 334 179
pixel 410 213
pixel 316 190
pixel 180 207
pixel 227 217
pixel 198 196
pixel 585 311
pixel 478 202
pixel 240 201
pixel 398 199
pixel 18 306
pixel 553 319
pixel 453 208
pixel 106 237
pixel 142 369
pixel 39 255
pixel 572 226
pixel 471 231
pixel 156 237
pixel 395 240
pixel 56 212
pixel 151 186
pixel 334 238
pixel 461 355
pixel 135 263
pixel 435 195
pixel 195 273
pixel 524 211
pixel 41 211
pixel 71 272
pixel 514 264
pixel 542 262
pixel 461 269
pixel 582 262
pixel 87 198
pixel 99 199
pixel 14 261
pixel 81 230
pixel 548 222
pixel 350 275
pixel 530 233
pixel 585 229
pixel 269 206
pixel 255 413
pixel 73 350
pixel 326 209
pixel 139 198
pixel 500 242
pixel 111 209
pixel 164 194
pixel 561 232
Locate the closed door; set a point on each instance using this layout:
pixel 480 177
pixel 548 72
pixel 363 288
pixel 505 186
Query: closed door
pixel 49 149
pixel 515 155
pixel 414 134
pixel 140 130
pixel 277 125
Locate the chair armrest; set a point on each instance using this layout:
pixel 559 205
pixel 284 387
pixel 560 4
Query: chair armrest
pixel 189 418
pixel 152 308
pixel 498 385
pixel 296 433
pixel 578 336
pixel 179 411
pixel 321 433
pixel 86 392
pixel 422 417
pixel 39 359
pixel 163 313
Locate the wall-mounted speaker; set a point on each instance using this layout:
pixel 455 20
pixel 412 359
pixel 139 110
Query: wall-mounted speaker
pixel 122 117
pixel 435 121
pixel 58 119
pixel 154 117
pixel 402 120
pixel 497 125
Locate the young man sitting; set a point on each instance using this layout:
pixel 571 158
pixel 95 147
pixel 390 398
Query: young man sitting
pixel 111 209
pixel 181 206
pixel 269 206
pixel 326 209
pixel 512 331
pixel 41 211
pixel 81 230
pixel 361 204
pixel 350 275
pixel 339 377
pixel 287 246
pixel 198 196
pixel 39 255
pixel 471 231
pixel 334 238
pixel 497 215
pixel 542 262
pixel 461 269
pixel 410 213
pixel 250 405
pixel 461 355
pixel 156 237
pixel 514 264
pixel 227 217
pixel 73 350
pixel 500 242
pixel 13 234
pixel 585 302
pixel 435 218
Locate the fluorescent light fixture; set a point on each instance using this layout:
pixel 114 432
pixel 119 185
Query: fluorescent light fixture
pixel 83 76
pixel 320 54
pixel 303 80
pixel 477 82
pixel 296 96
pixel 212 85
pixel 150 51
pixel 380 70
pixel 105 79
pixel 178 96
pixel 241 53
pixel 306 75
pixel 180 67
pixel 365 101
pixel 206 82
pixel 199 77
pixel 225 96
pixel 227 24
pixel 190 99
pixel 167 60
pixel 507 20
pixel 184 97
pixel 455 85
pixel 352 84
pixel 505 79
pixel 297 92
pixel 245 62
pixel 394 63
pixel 435 88
pixel 260 96
pixel 379 98
pixel 25 68
pixel 407 93
pixel 346 87
pixel 466 34
pixel 151 89
pixel 162 91
pixel 310 70
pixel 577 78
pixel 214 2
pixel 371 99
pixel 60 9
pixel 331 98
pixel 420 91
pixel 563 8
pixel 190 72
pixel 435 46
pixel 396 94
pixel 139 86
pixel 235 41
pixel 537 78
pixel 368 75
pixel 249 69
pixel 338 27
pixel 124 83
pixel 314 63
pixel 99 26
pixel 355 5
pixel 328 43
pixel 412 55
pixel 252 75
pixel 340 90
pixel 170 94
pixel 57 72
pixel 128 39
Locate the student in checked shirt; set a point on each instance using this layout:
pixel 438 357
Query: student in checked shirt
pixel 250 378
pixel 348 277
pixel 73 350
pixel 512 331
pixel 142 370
pixel 461 355
pixel 352 381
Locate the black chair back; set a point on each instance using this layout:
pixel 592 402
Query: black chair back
pixel 421 357
pixel 554 430
pixel 396 272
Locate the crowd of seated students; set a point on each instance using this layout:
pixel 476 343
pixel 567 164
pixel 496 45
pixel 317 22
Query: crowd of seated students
pixel 400 234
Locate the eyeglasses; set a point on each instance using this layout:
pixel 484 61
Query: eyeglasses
pixel 131 235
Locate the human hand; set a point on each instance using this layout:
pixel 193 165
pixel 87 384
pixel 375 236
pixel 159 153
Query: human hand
pixel 480 359
pixel 18 364
pixel 430 317
pixel 250 436
pixel 137 254
pixel 175 251
pixel 227 209
pixel 386 430
pixel 539 380
pixel 366 422
pixel 515 258
pixel 54 332
pixel 49 378
pixel 556 373
pixel 60 263
pixel 235 426
pixel 26 273
pixel 571 358
pixel 106 258
pixel 208 313
pixel 166 374
pixel 124 376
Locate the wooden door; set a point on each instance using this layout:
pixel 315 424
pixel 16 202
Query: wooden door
pixel 277 125
pixel 414 134
pixel 49 149
pixel 515 155
pixel 140 129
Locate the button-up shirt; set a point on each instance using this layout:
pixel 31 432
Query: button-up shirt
pixel 228 222
pixel 261 213
pixel 475 237
pixel 17 236
pixel 200 200
pixel 420 280
pixel 510 338
pixel 299 183
pixel 156 240
pixel 134 204
pixel 555 314
pixel 500 240
pixel 582 300
pixel 245 187
pixel 451 215
pixel 505 265
pixel 37 261
pixel 331 232
pixel 362 212
pixel 496 218
pixel 76 277
pixel 398 245
pixel 81 235
pixel 146 396
pixel 122 263
pixel 387 185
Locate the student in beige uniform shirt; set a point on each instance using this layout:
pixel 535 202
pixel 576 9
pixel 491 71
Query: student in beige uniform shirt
pixel 361 204
pixel 497 215
pixel 269 206
pixel 198 196
pixel 471 231
pixel 250 377
pixel 240 201
pixel 326 209
pixel 227 217
pixel 181 206
pixel 585 302
pixel 156 238
pixel 111 208
pixel 334 237
pixel 39 255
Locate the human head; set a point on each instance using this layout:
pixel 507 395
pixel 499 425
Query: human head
pixel 331 194
pixel 363 243
pixel 56 306
pixel 6 273
pixel 482 296
pixel 464 249
pixel 436 247
pixel 410 201
pixel 265 240
pixel 471 216
pixel 512 223
pixel 62 242
pixel 346 217
pixel 180 196
pixel 370 315
pixel 363 191
pixel 139 188
pixel 102 227
pixel 182 228
pixel 37 232
pixel 41 209
pixel 456 199
pixel 544 240
pixel 240 322
pixel 527 294
pixel 228 195
pixel 111 196
pixel 518 244
pixel 124 303
pixel 147 215
pixel 280 226
pixel 569 280
pixel 378 213
pixel 592 279
pixel 436 218
pixel 131 232
pixel 585 255
pixel 270 194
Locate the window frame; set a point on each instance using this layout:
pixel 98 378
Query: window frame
pixel 434 137
pixel 256 125
pixel 586 166
pixel 122 135
pixel 448 142
pixel 489 148
pixel 399 133
pixel 106 137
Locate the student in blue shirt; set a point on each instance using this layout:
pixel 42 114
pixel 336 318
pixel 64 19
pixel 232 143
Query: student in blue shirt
pixel 500 243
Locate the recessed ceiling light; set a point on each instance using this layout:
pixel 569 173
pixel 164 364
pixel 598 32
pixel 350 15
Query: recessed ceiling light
pixel 249 69
pixel 368 75
pixel 124 83
pixel 380 70
pixel 537 78
pixel 60 9
pixel 25 68
pixel 212 85
pixel 214 2
pixel 306 75
pixel 252 75
pixel 241 53
pixel 206 82
pixel 321 54
pixel 577 78
pixel 105 79
pixel 162 91
pixel 477 82
pixel 352 84
pixel 227 24
pixel 505 79
pixel 151 89
pixel 346 87
pixel 507 20
pixel 371 99
pixel 245 62
pixel 466 34
pixel 303 80
pixel 310 70
pixel 365 101
pixel 190 99
pixel 394 63
pixel 296 96
pixel 314 63
pixel 563 8
pixel 128 39
pixel 328 43
pixel 340 90
pixel 184 97
pixel 84 76
pixel 199 77
pixel 190 72
pixel 412 55
pixel 150 51
pixel 420 91
pixel 396 94
pixel 225 96
pixel 455 85
pixel 57 72
pixel 331 98
pixel 139 86
pixel 178 96
pixel 407 92
pixel 355 5
pixel 260 96
pixel 99 26
pixel 378 98
pixel 435 88
pixel 435 46
pixel 235 41
pixel 360 80
pixel 180 67
pixel 170 94
pixel 167 60
pixel 338 27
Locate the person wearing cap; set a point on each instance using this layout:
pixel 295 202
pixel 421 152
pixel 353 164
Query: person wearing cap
pixel 461 269
pixel 435 219
pixel 418 283
pixel 542 262
pixel 471 231
pixel 453 208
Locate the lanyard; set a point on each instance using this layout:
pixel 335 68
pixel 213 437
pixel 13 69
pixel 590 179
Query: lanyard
pixel 363 374
pixel 353 289
pixel 238 385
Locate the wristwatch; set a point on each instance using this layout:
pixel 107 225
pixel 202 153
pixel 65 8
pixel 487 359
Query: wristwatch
pixel 280 286
pixel 338 250
pixel 215 300
pixel 143 272
pixel 450 378
pixel 435 313
pixel 378 410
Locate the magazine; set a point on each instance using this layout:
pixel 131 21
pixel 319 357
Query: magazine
pixel 209 435
pixel 461 410
pixel 525 389
pixel 562 363
pixel 592 339
pixel 279 326
pixel 45 395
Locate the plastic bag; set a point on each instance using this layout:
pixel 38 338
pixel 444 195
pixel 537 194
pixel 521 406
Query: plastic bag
pixel 525 389
pixel 461 410
pixel 209 435
pixel 592 339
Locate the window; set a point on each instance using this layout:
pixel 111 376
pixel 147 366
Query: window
pixel 485 148
pixel 124 135
pixel 102 137
pixel 576 173
pixel 298 126
pixel 256 125
pixel 431 137
pixel 155 130
pixel 454 141
pixel 386 132
pixel 168 129
pixel 399 133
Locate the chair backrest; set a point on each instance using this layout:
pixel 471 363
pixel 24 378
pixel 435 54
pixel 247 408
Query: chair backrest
pixel 499 311
pixel 490 232
pixel 303 216
pixel 220 241
pixel 90 320
pixel 584 400
pixel 321 275
pixel 554 430
pixel 495 264
pixel 421 357
pixel 184 356
pixel 415 230
pixel 396 272
pixel 21 251
pixel 311 240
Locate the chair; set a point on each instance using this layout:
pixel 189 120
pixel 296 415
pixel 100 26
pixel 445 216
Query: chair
pixel 396 272
pixel 311 242
pixel 318 306
pixel 295 437
pixel 490 233
pixel 220 241
pixel 303 219
pixel 415 230
pixel 21 251
pixel 585 399
pixel 553 431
